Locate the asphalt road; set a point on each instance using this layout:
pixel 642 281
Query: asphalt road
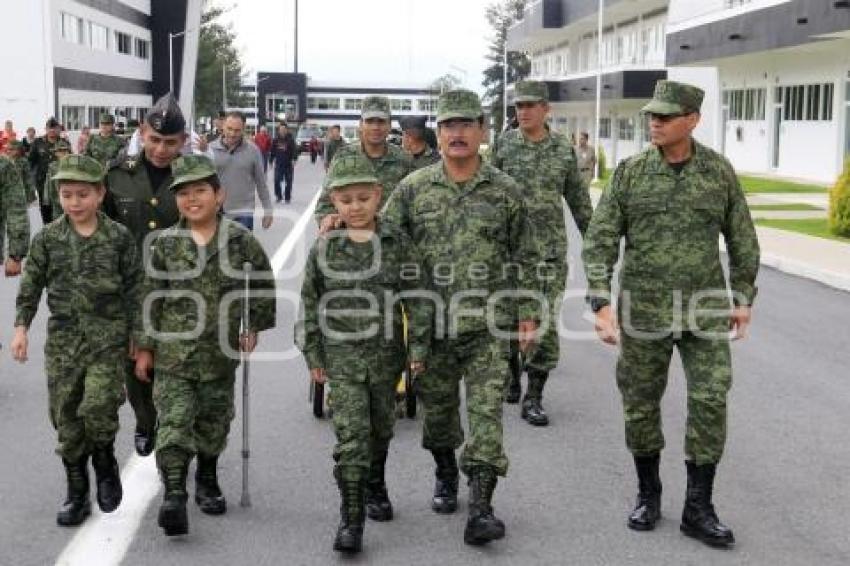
pixel 783 485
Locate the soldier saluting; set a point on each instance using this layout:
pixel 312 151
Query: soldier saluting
pixel 138 197
pixel 671 203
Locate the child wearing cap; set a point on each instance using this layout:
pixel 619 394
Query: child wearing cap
pixel 350 331
pixel 189 331
pixel 90 268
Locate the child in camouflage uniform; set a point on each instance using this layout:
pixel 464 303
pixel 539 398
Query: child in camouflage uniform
pixel 90 267
pixel 351 334
pixel 193 276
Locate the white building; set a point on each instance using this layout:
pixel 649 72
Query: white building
pixel 784 71
pixel 76 59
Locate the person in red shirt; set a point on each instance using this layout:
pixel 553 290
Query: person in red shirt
pixel 264 143
pixel 8 134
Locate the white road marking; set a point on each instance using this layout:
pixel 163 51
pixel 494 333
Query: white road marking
pixel 104 539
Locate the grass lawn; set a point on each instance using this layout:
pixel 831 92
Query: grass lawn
pixel 784 207
pixel 809 226
pixel 754 185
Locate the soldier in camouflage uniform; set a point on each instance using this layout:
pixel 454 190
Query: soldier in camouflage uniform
pixel 137 196
pixel 332 145
pixel 470 225
pixel 40 157
pixel 391 163
pixel 90 268
pixel 51 186
pixel 16 154
pixel 671 203
pixel 194 352
pixel 368 257
pixel 14 219
pixel 544 164
pixel 413 141
pixel 106 145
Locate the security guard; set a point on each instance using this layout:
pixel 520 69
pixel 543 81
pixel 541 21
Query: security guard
pixel 413 141
pixel 138 197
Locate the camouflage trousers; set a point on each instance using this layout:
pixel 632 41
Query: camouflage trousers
pixel 642 371
pixel 140 395
pixel 482 361
pixel 194 415
pixel 547 351
pixel 85 391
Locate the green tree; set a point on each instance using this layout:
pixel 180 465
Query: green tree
pixel 501 15
pixel 444 83
pixel 839 204
pixel 217 51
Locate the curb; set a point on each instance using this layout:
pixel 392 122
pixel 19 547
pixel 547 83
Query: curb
pixel 832 279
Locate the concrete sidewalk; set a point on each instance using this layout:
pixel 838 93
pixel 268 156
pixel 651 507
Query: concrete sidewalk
pixel 820 259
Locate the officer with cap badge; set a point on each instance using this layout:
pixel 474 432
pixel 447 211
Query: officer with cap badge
pixel 138 196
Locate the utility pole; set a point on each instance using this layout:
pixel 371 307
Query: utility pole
pixel 224 87
pixel 296 36
pixel 504 81
pixel 599 22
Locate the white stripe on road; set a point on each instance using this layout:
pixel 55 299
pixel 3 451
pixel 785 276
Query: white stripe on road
pixel 104 539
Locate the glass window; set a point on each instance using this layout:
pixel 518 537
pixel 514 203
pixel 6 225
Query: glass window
pixel 828 95
pixel 141 112
pixel 142 49
pixel 426 105
pixel 401 104
pixel 626 129
pixel 98 37
pixel 72 28
pixel 353 103
pixel 323 103
pixel 123 43
pixel 605 128
pixel 72 117
pixel 94 115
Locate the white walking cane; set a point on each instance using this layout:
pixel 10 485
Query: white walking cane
pixel 246 396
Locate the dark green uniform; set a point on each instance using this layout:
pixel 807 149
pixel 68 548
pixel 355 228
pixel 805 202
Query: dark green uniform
pixel 425 158
pixel 40 156
pixel 104 148
pixel 14 219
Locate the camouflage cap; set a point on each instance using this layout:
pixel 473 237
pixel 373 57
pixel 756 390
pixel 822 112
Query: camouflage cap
pixel 672 97
pixel 459 103
pixel 62 145
pixel 531 91
pixel 376 107
pixel 191 168
pixel 79 168
pixel 413 123
pixel 165 117
pixel 107 119
pixel 354 169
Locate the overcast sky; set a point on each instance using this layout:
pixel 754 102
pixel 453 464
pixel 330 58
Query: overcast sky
pixel 366 42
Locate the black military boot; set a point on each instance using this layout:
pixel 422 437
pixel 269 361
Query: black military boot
pixel 144 441
pixel 352 510
pixel 532 407
pixel 378 505
pixel 445 488
pixel 647 510
pixel 77 505
pixel 173 517
pixel 108 478
pixel 482 526
pixel 698 518
pixel 514 388
pixel 208 494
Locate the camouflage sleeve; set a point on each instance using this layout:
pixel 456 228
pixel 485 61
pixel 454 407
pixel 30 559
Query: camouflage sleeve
pixel 577 196
pixel 308 332
pixel 524 253
pixel 33 282
pixel 150 310
pixel 263 309
pixel 324 205
pixel 14 210
pixel 741 243
pixel 396 209
pixel 495 160
pixel 131 276
pixel 602 241
pixel 88 151
pixel 418 306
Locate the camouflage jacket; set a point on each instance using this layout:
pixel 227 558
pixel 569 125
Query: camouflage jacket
pixel 14 219
pixel 427 157
pixel 188 288
pixel 546 172
pixel 473 240
pixel 104 148
pixel 132 201
pixel 331 149
pixel 349 276
pixel 26 177
pixel 671 224
pixel 51 190
pixel 390 169
pixel 92 285
pixel 40 155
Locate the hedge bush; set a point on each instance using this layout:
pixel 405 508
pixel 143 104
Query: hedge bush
pixel 839 204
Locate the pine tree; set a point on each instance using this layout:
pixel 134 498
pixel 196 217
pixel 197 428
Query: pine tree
pixel 501 15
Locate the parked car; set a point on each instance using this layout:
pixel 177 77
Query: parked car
pixel 305 133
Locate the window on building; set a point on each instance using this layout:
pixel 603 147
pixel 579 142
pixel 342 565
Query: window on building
pixel 626 129
pixel 353 103
pixel 646 135
pixel 141 112
pixel 94 115
pixel 350 133
pixel 142 48
pixel 72 117
pixel 559 65
pixel 807 102
pixel 98 37
pixel 401 104
pixel 745 104
pixel 72 28
pixel 426 105
pixel 736 3
pixel 123 43
pixel 605 128
pixel 323 103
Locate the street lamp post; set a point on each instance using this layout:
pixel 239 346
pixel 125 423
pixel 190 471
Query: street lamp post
pixel 171 37
pixel 257 94
pixel 599 21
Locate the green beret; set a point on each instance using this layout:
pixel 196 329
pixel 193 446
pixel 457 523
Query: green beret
pixel 79 168
pixel 672 97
